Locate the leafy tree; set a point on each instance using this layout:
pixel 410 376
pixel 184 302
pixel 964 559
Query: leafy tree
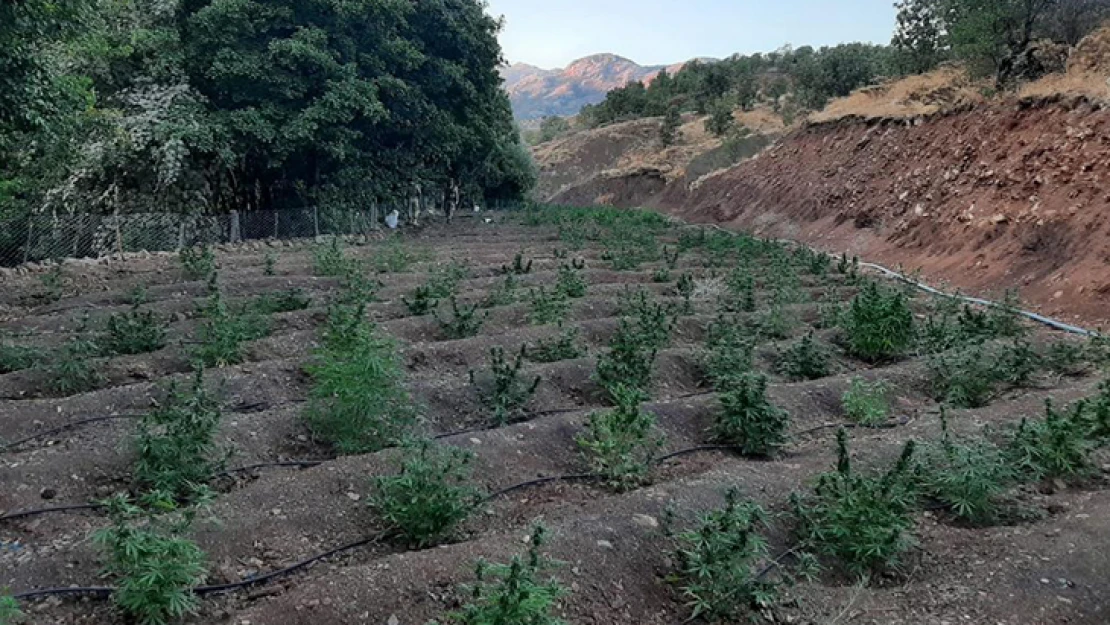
pixel 919 41
pixel 988 34
pixel 668 131
pixel 552 127
pixel 720 119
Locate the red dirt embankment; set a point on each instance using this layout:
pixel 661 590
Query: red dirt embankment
pixel 998 196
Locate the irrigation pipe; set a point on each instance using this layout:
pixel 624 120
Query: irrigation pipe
pixel 68 426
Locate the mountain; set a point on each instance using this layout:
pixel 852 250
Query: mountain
pixel 537 92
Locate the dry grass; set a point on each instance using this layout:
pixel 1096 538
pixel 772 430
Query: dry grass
pixel 1074 84
pixel 913 96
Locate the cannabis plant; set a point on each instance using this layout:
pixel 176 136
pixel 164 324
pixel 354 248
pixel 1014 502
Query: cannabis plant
pixel 747 419
pixel 505 392
pixel 866 403
pixel 621 443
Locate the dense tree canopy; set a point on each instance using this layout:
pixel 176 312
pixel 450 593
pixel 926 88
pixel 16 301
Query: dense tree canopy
pixel 244 104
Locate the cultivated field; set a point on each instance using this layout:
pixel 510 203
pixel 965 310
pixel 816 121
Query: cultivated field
pixel 700 422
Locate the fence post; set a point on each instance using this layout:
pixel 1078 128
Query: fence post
pixel 30 230
pixel 316 221
pixel 181 232
pixel 235 235
pixel 275 224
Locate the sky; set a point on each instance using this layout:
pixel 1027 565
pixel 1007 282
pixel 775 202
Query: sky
pixel 552 33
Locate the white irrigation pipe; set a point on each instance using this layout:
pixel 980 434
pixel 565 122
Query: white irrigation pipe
pixel 890 273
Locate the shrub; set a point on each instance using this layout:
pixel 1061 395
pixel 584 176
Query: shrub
pixel 519 267
pixel 175 443
pixel 548 306
pixel 155 566
pixel 570 282
pixel 863 522
pixel 288 300
pixel 503 294
pixel 422 301
pixel 805 360
pixel 198 262
pixel 716 561
pixel 563 347
pixel 879 324
pixel 1056 447
pixel 222 335
pixel 506 391
pixel 968 478
pixel 621 443
pixel 463 323
pixel 430 496
pixel 747 419
pixel 19 357
pixel 133 332
pixel 358 402
pixel 729 354
pixel 513 593
pixel 866 404
pixel 269 264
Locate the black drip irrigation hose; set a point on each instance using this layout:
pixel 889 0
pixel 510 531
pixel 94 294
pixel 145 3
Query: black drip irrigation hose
pixel 68 426
pixel 11 516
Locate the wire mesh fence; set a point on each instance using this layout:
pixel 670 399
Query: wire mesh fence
pixel 41 237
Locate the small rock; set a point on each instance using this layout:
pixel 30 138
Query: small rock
pixel 354 496
pixel 644 520
pixel 393 620
pixel 604 544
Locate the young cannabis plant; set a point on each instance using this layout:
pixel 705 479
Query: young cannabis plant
pixel 717 562
pixel 519 267
pixel 198 262
pixel 175 443
pixel 430 496
pixel 629 361
pixel 514 593
pixel 464 321
pixel 548 306
pixel 747 419
pixel 879 324
pixel 72 370
pixel 358 402
pixel 1055 447
pixel 133 332
pixel 862 522
pixel 288 300
pixel 422 301
pixel 330 259
pixel 621 443
pixel 18 357
pixel 866 403
pixel 10 614
pixel 222 335
pixel 506 391
pixel 570 282
pixel 563 347
pixel 685 288
pixel 503 294
pixel 806 359
pixel 156 568
pixel 730 352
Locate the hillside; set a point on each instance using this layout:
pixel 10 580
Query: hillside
pixel 924 173
pixel 537 92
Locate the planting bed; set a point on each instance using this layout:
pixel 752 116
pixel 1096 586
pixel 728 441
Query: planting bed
pixel 1046 560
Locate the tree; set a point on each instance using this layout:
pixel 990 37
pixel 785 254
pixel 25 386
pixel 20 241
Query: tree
pixel 920 41
pixel 1071 20
pixel 720 118
pixel 990 34
pixel 552 127
pixel 668 131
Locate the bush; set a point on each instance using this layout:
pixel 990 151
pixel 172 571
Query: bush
pixel 198 262
pixel 288 300
pixel 716 561
pixel 358 402
pixel 507 391
pixel 862 522
pixel 805 360
pixel 879 324
pixel 463 323
pixel 175 443
pixel 621 443
pixel 548 306
pixel 430 496
pixel 747 419
pixel 513 593
pixel 563 347
pixel 570 282
pixel 968 478
pixel 155 566
pixel 866 404
pixel 1056 447
pixel 133 332
pixel 729 354
pixel 269 264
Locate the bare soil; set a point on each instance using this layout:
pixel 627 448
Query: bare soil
pixel 616 559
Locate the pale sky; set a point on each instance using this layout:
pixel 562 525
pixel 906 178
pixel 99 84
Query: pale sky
pixel 552 33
